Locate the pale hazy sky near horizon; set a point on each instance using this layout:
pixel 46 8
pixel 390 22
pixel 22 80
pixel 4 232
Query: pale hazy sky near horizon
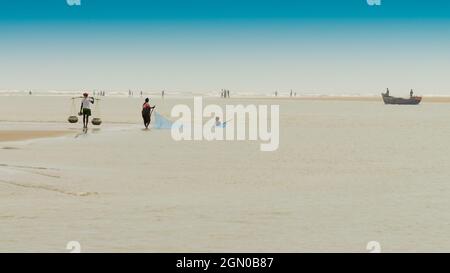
pixel 327 47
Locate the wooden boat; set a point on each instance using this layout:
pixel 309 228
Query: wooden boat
pixel 393 100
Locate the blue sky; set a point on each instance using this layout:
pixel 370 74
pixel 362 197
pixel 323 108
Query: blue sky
pixel 154 10
pixel 311 46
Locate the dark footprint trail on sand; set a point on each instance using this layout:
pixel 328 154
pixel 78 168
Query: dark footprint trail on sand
pixel 48 188
pixel 27 167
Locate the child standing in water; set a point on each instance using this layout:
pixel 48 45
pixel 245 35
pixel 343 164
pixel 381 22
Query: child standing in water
pixel 85 109
pixel 146 112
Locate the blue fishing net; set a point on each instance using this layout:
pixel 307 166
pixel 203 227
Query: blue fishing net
pixel 223 124
pixel 161 122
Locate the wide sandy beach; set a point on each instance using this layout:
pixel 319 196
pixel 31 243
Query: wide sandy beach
pixel 348 171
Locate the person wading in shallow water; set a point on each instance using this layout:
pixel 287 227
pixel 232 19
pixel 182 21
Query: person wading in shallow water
pixel 147 112
pixel 85 109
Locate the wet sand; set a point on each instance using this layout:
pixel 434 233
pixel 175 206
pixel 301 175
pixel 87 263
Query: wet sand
pixel 346 173
pixel 10 136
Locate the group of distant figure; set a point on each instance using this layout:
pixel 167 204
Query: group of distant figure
pixel 225 94
pixel 411 93
pixel 291 94
pixel 100 93
pixel 131 93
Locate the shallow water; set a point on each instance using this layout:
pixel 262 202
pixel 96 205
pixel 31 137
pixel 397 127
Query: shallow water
pixel 345 173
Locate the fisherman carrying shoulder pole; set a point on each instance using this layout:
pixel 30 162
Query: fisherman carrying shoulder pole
pixel 85 109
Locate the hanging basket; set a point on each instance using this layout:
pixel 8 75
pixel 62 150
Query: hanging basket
pixel 73 113
pixel 73 119
pixel 97 121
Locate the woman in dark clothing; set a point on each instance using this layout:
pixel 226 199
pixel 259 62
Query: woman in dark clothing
pixel 147 112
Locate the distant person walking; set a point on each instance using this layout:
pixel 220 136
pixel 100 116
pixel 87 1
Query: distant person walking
pixel 85 109
pixel 411 93
pixel 147 112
